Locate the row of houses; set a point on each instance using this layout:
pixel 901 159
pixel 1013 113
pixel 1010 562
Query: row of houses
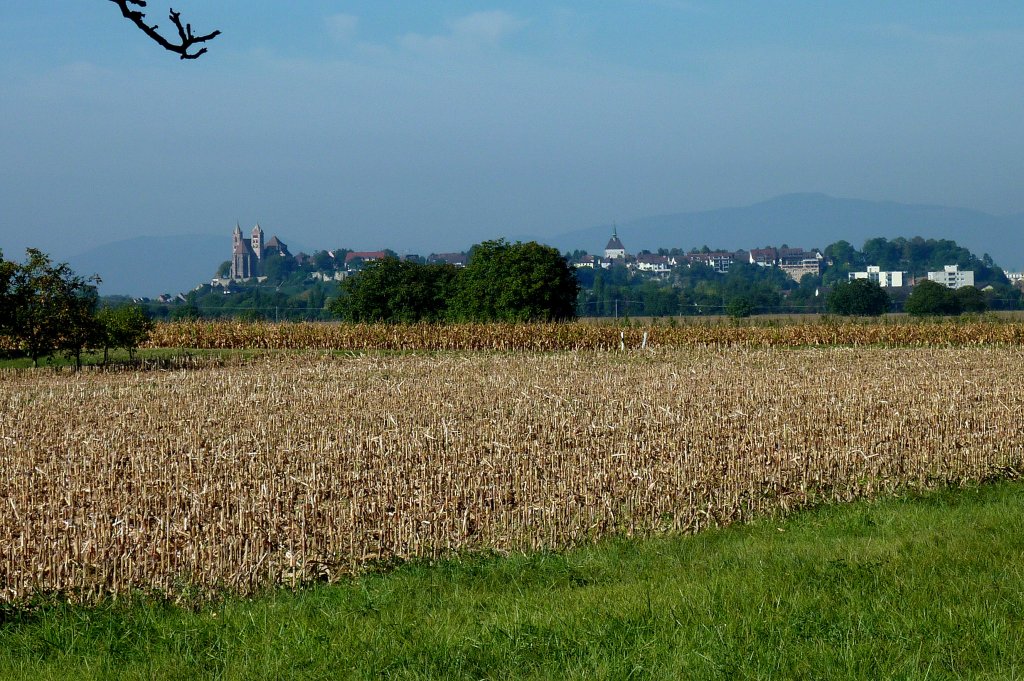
pixel 355 259
pixel 796 262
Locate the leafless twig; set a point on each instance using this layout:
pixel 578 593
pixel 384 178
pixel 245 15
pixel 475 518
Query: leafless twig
pixel 187 38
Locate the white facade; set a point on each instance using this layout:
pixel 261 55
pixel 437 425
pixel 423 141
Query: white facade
pixel 720 262
pixel 796 269
pixel 593 262
pixel 883 279
pixel 952 277
pixel 659 264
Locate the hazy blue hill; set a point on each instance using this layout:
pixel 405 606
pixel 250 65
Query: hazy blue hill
pixel 151 265
pixel 813 220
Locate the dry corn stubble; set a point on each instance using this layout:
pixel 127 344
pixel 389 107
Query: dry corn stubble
pixel 303 466
pixel 577 336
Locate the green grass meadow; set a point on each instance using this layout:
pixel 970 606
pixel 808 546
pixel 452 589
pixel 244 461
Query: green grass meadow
pixel 928 587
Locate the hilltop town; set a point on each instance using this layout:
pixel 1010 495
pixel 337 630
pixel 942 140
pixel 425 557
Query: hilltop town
pixel 256 258
pixel 263 278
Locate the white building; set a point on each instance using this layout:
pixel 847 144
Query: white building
pixel 796 266
pixel 614 249
pixel 593 262
pixel 883 279
pixel 952 277
pixel 719 261
pixel 658 264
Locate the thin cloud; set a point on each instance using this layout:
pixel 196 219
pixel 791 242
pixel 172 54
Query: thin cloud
pixel 903 32
pixel 486 27
pixel 473 31
pixel 678 5
pixel 342 27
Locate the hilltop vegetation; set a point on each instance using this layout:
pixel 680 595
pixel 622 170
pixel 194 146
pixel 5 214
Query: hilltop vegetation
pixel 698 289
pixel 916 256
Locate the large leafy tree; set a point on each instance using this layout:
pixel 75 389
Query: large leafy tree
pixel 502 282
pixel 932 298
pixel 7 272
pixel 47 307
pixel 971 299
pixel 392 290
pixel 516 282
pixel 859 297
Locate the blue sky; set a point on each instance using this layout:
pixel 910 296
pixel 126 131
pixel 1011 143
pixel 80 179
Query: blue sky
pixel 429 126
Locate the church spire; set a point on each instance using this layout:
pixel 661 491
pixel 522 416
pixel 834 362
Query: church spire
pixel 615 249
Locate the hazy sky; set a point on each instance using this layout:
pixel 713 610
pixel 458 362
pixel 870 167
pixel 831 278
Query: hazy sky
pixel 425 126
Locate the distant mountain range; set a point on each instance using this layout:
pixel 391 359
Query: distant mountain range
pixel 149 266
pixel 812 221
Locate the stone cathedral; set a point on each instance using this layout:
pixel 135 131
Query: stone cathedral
pixel 247 254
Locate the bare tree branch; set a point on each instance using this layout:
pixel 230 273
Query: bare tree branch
pixel 187 38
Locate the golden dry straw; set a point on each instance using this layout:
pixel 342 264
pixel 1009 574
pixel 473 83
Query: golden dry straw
pixel 307 466
pixel 580 336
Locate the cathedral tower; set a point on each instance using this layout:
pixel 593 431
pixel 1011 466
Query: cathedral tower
pixel 257 241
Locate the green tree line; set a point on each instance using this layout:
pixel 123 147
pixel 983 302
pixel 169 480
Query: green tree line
pixel 501 282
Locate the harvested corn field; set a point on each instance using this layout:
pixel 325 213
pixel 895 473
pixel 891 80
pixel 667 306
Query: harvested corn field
pixel 303 466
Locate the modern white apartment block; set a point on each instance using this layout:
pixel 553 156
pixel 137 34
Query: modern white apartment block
pixel 952 277
pixel 883 279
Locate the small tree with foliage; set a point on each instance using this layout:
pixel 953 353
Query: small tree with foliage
pixel 82 328
pixel 126 327
pixel 739 307
pixel 859 297
pixel 47 307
